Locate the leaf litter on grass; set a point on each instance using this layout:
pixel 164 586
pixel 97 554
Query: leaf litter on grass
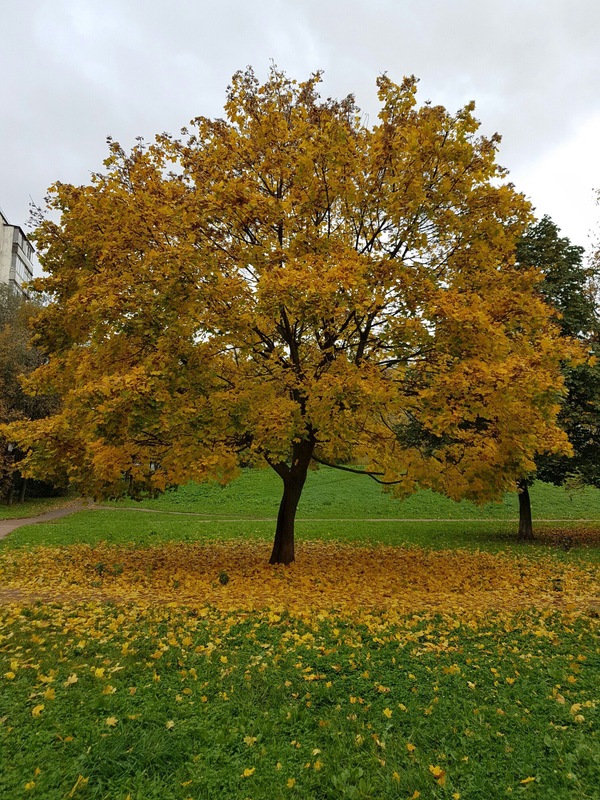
pixel 357 671
pixel 326 576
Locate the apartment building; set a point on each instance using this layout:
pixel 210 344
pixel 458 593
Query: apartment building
pixel 16 254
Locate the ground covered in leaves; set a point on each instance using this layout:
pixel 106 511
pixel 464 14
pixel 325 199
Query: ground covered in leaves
pixel 198 671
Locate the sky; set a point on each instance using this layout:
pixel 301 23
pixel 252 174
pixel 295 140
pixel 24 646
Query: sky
pixel 76 71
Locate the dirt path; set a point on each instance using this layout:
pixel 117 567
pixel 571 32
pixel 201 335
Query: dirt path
pixel 9 525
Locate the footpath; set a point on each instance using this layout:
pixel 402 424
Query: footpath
pixel 9 525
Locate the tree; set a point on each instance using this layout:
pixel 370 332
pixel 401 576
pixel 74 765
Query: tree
pixel 287 285
pixel 568 286
pixel 17 358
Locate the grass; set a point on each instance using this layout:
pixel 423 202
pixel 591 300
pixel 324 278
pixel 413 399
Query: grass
pixel 368 675
pixel 142 530
pixel 155 703
pixel 330 494
pixel 335 506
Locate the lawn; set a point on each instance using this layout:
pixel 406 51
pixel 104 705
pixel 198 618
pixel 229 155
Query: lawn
pixel 332 494
pixel 158 655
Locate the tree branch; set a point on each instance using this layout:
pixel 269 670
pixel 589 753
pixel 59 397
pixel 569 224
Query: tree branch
pixel 372 475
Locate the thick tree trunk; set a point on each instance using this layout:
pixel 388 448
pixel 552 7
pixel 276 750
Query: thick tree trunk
pixel 293 478
pixel 525 524
pixel 23 493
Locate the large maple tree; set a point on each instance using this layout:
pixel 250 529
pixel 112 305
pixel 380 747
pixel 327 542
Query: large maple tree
pixel 292 286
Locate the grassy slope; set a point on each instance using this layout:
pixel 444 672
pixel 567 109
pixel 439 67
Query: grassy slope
pixel 335 506
pixel 331 494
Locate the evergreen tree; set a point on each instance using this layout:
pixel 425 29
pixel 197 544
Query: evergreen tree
pixel 568 286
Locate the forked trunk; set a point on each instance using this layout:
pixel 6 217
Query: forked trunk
pixel 293 478
pixel 525 524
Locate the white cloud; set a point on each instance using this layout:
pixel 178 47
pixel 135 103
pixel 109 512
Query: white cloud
pixel 75 71
pixel 564 180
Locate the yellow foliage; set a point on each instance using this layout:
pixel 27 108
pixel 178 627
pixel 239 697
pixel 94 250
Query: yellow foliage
pixel 300 288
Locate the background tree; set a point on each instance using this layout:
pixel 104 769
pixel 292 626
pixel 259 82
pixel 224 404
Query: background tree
pixel 17 358
pixel 290 286
pixel 568 286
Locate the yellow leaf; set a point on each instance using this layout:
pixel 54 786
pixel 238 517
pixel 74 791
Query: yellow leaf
pixel 411 747
pixel 37 710
pixel 291 782
pixel 29 785
pixel 169 725
pixel 49 694
pixel 249 740
pixel 10 676
pixel 528 780
pixel 387 712
pixel 248 772
pixel 71 680
pixel 111 721
pixel 438 773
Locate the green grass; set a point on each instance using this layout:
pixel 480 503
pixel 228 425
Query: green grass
pixel 331 494
pixel 319 708
pixel 322 709
pixel 334 506
pixel 144 529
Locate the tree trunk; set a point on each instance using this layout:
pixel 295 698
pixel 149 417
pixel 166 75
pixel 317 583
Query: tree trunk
pixel 293 478
pixel 525 524
pixel 23 493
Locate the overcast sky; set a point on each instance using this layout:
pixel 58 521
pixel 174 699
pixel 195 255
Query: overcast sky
pixel 75 71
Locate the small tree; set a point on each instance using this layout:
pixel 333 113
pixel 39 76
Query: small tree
pixel 568 287
pixel 287 285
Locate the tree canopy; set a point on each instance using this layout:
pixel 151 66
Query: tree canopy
pixel 292 286
pixel 569 285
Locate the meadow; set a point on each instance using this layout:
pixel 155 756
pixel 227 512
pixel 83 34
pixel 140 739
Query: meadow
pixel 153 654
